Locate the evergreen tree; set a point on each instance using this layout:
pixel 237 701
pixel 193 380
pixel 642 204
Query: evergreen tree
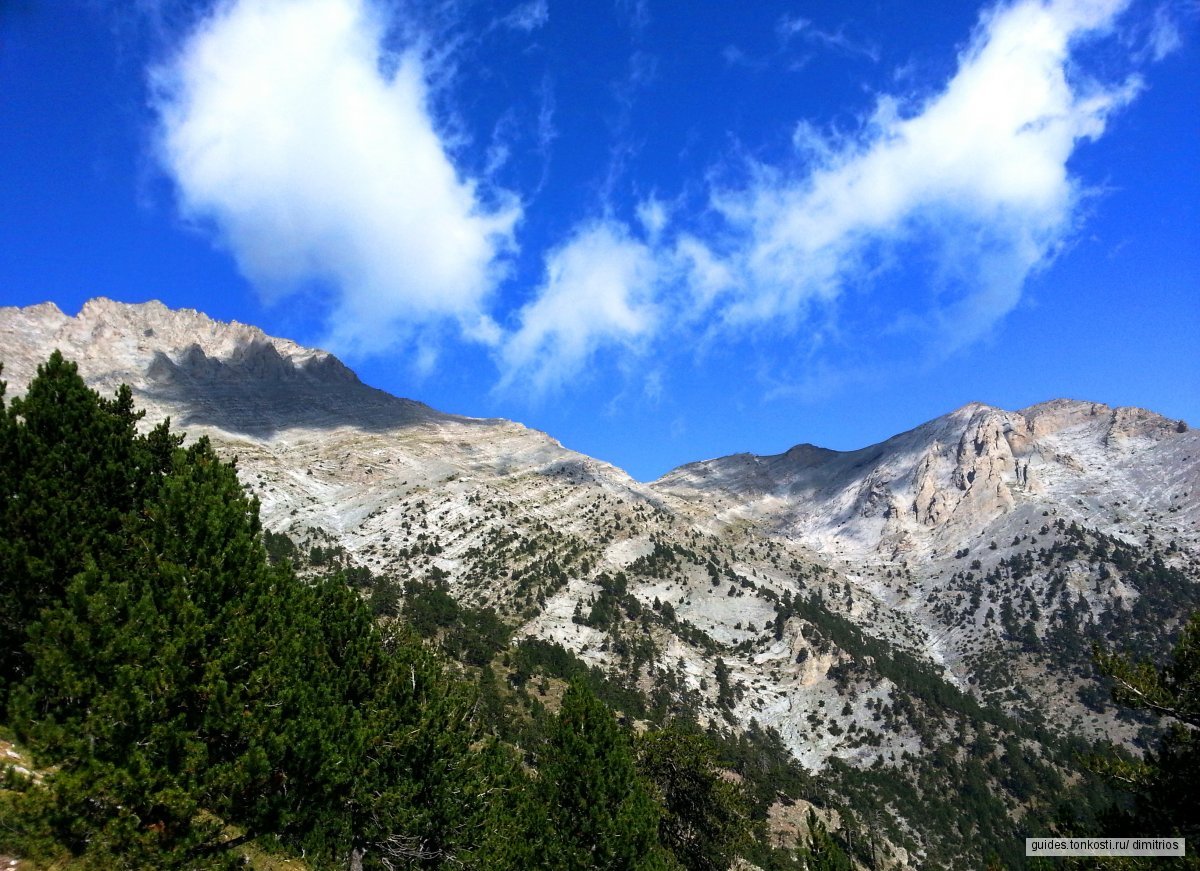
pixel 705 821
pixel 178 682
pixel 820 852
pixel 432 779
pixel 73 466
pixel 601 814
pixel 1165 801
pixel 146 685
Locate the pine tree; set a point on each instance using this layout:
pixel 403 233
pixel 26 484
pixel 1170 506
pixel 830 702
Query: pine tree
pixel 820 852
pixel 602 815
pixel 1162 784
pixel 705 821
pixel 144 677
pixel 431 775
pixel 73 467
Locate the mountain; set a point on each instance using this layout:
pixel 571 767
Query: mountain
pixel 863 609
pixel 943 513
pixel 976 471
pixel 231 377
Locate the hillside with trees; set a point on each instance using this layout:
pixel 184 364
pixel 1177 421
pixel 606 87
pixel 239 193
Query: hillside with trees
pixel 195 691
pixel 184 696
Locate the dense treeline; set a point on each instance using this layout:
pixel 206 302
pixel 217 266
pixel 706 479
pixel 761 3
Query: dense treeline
pixel 185 695
pixel 178 683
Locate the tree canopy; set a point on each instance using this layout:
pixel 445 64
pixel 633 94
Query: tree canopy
pixel 1162 785
pixel 179 683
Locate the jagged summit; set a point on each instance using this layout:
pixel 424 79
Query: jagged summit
pixel 230 376
pixel 953 477
pixel 129 336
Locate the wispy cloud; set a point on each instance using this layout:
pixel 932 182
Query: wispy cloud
pixel 977 175
pixel 976 178
pixel 598 293
pixel 791 28
pixel 546 131
pixel 636 14
pixel 528 17
pixel 313 154
pixel 640 74
pixel 1165 38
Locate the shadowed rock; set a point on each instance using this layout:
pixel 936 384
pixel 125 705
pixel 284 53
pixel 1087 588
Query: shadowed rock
pixel 257 391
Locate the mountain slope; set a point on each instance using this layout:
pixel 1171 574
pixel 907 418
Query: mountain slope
pixel 957 477
pixel 984 511
pixel 860 604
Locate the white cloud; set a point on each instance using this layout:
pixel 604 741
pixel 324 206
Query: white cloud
pixel 706 275
pixel 652 215
pixel 528 16
pixel 599 291
pixel 313 153
pixel 976 178
pixel 979 173
pixel 790 27
pixel 1164 34
pixel 652 387
pixel 546 131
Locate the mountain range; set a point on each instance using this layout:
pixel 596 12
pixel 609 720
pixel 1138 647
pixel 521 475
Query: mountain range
pixel 867 608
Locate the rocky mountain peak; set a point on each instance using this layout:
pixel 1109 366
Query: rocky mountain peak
pixel 948 479
pixel 1059 415
pixel 206 373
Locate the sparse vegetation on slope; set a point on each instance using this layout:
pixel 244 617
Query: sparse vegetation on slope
pixel 184 697
pixel 935 704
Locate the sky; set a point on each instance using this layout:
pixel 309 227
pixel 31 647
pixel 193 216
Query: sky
pixel 660 232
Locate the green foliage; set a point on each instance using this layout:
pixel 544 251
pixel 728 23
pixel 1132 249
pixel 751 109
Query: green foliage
pixel 178 683
pixel 725 696
pixel 767 768
pixel 189 694
pixel 915 677
pixel 470 635
pixel 143 673
pixel 820 852
pixel 601 814
pixel 385 598
pixel 73 467
pixel 705 822
pixel 1163 800
pixel 279 547
pixel 429 607
pixel 1172 691
pixel 536 656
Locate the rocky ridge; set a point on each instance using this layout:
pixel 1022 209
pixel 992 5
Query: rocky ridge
pixel 988 547
pixel 953 479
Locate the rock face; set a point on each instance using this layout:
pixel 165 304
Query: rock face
pixel 958 478
pixel 232 377
pixel 912 541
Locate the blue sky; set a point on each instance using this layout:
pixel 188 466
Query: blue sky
pixel 658 231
